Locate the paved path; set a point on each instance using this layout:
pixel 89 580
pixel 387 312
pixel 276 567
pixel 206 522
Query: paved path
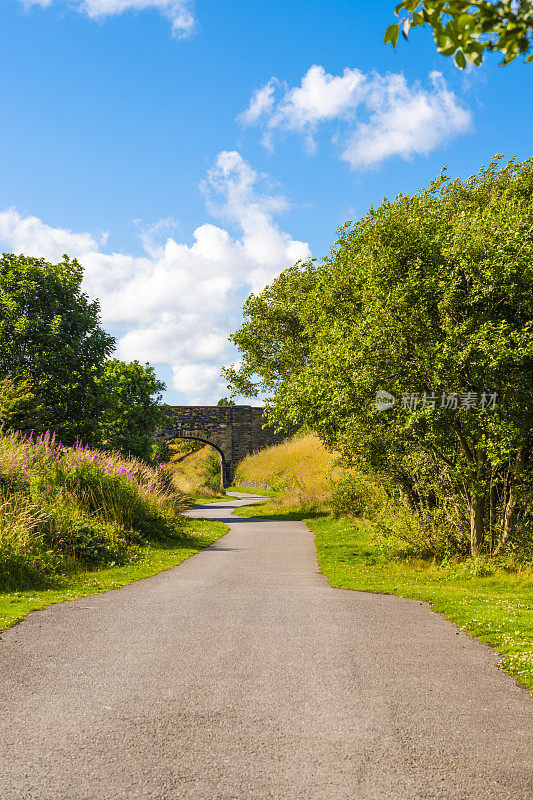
pixel 242 674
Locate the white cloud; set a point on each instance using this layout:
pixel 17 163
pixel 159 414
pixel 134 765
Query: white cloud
pixel 262 102
pixel 406 121
pixel 380 116
pixel 47 241
pixel 177 302
pixel 178 12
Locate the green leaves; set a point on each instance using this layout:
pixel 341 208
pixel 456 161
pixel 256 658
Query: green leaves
pixel 391 34
pixel 466 30
pixel 129 396
pixel 50 337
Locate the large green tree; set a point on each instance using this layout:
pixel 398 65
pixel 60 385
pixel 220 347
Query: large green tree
pixel 51 341
pixel 426 297
pixel 468 30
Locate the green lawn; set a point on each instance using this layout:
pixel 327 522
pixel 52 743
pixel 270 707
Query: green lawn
pixel 251 490
pixel 491 603
pixel 271 509
pixel 199 500
pixel 154 558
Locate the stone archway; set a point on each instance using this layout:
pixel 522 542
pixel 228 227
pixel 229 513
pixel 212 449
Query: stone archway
pixel 235 431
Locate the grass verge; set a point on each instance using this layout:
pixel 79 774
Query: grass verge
pixel 272 509
pixel 253 490
pixel 200 500
pixel 486 601
pixel 153 558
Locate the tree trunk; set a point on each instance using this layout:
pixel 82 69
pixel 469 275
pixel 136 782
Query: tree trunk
pixel 492 513
pixel 509 520
pixel 477 529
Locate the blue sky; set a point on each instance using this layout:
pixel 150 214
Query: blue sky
pixel 133 140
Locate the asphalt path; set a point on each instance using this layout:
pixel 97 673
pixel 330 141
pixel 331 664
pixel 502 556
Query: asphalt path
pixel 243 674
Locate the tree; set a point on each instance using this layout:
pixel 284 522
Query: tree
pixel 225 402
pixel 424 297
pixel 50 338
pixel 468 30
pixel 273 337
pixel 130 397
pixel 18 406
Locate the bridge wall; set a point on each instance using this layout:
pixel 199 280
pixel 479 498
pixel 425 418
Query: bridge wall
pixel 235 431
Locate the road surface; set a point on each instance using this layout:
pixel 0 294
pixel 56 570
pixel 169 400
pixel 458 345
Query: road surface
pixel 243 674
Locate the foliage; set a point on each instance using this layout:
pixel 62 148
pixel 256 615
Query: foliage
pixel 187 465
pixel 51 339
pixel 54 367
pixel 65 509
pixel 18 405
pixel 355 495
pixel 467 30
pixel 130 414
pixel 225 402
pixel 211 471
pixel 272 338
pixel 160 452
pixel 428 294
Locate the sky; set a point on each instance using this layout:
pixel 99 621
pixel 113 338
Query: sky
pixel 186 152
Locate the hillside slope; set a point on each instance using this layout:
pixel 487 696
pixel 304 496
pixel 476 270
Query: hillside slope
pixel 300 465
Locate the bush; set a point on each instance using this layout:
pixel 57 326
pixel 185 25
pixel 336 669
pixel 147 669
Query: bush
pixel 211 472
pixel 427 534
pixel 355 495
pixel 67 508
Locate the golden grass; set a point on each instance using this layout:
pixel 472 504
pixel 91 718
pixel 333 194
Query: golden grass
pixel 187 468
pixel 300 464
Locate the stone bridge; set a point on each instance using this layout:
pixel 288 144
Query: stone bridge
pixel 235 431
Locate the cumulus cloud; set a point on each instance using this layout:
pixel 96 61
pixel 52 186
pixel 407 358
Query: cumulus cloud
pixel 177 302
pixel 379 116
pixel 178 12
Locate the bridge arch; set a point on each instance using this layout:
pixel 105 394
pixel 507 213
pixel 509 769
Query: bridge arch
pixel 235 431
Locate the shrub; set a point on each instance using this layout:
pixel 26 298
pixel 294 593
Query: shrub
pixel 211 471
pixel 67 508
pixel 427 534
pixel 356 495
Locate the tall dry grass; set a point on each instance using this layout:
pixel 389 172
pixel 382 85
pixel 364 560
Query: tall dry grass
pixel 194 468
pixel 300 468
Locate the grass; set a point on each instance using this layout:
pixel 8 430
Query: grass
pixel 76 521
pixel 65 510
pixel 253 490
pixel 273 509
pixel 200 500
pixel 485 600
pixel 301 464
pixel 195 469
pixel 154 558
